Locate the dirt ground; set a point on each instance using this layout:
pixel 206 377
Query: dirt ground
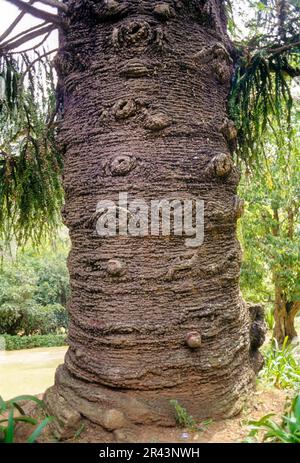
pixel 233 430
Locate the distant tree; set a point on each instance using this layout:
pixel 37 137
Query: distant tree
pixel 271 228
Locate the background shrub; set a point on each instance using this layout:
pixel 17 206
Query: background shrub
pixel 10 319
pixel 34 289
pixel 30 342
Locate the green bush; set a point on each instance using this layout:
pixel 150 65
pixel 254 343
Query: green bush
pixel 33 291
pixel 30 342
pixel 38 320
pixel 10 319
pixel 61 316
pixel 32 319
pixel 52 285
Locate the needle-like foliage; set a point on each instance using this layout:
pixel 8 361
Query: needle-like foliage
pixel 30 165
pixel 268 60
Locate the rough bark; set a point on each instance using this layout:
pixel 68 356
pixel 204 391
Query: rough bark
pixel 285 313
pixel 146 85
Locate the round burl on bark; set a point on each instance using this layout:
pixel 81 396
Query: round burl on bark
pixel 228 129
pixel 163 11
pixel 124 109
pixel 79 354
pixel 113 419
pixel 194 340
pixel 157 121
pixel 122 165
pixel 222 72
pixel 112 5
pixel 135 33
pixel 116 268
pixel 221 165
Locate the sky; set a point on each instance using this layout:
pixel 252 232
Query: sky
pixel 9 12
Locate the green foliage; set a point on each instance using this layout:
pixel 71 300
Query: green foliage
pixel 10 319
pixel 260 99
pixel 30 342
pixel 12 413
pixel 34 290
pixel 269 318
pixel 43 319
pixel 282 366
pixel 269 231
pixel 52 285
pixel 31 194
pixel 268 59
pixel 183 419
pixel 32 319
pixel 288 431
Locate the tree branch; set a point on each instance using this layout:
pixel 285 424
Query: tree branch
pixel 286 47
pixel 27 8
pixel 28 37
pixel 31 65
pixel 14 24
pixel 38 45
pixel 3 45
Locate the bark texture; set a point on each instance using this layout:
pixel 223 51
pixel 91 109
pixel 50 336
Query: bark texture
pixel 145 86
pixel 285 313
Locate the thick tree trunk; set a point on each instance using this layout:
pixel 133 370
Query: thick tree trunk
pixel 146 86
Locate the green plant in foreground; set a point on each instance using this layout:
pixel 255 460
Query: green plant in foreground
pixel 183 419
pixel 287 432
pixel 8 418
pixel 282 368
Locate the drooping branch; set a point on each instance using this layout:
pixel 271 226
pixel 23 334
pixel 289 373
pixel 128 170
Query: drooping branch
pixel 31 194
pixel 27 8
pixel 27 37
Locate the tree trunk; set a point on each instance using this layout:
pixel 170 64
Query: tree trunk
pixel 145 112
pixel 284 314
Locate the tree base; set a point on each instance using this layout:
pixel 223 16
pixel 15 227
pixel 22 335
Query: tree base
pixel 121 416
pixel 216 392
